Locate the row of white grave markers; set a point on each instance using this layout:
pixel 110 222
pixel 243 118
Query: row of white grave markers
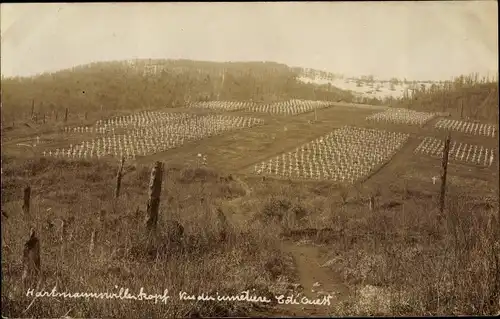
pixel 155 138
pixel 88 129
pixel 221 105
pixel 402 116
pixel 142 119
pixel 460 152
pixel 467 127
pixel 345 155
pixel 146 118
pixel 32 143
pixel 290 107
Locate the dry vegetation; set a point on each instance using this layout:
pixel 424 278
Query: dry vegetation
pixel 81 194
pixel 402 258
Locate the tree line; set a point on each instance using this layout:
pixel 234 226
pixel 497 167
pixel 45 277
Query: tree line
pixel 466 97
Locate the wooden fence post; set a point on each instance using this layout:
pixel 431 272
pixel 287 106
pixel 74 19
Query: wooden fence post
pixel 154 196
pixel 372 203
pixel 119 176
pixel 444 164
pixel 32 108
pixel 31 257
pixel 92 243
pixel 461 109
pixel 224 224
pixel 26 200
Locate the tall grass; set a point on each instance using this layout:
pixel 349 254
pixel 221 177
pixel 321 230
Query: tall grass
pixel 201 262
pixel 403 258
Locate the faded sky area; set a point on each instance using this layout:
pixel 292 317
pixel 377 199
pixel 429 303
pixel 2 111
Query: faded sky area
pixel 416 40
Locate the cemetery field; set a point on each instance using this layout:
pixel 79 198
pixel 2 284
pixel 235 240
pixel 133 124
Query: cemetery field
pixel 232 150
pixel 234 138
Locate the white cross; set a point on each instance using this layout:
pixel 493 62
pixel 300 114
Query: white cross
pixel 434 179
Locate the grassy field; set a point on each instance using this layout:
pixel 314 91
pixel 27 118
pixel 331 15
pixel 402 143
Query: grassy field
pixel 282 236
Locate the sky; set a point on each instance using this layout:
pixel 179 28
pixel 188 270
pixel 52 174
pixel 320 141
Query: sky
pixel 417 40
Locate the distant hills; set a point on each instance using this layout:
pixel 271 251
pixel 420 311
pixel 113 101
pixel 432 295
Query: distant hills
pixel 155 83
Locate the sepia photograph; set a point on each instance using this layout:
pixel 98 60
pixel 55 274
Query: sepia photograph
pixel 252 159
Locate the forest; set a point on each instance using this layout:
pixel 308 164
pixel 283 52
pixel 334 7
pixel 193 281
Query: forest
pixel 464 97
pixel 147 84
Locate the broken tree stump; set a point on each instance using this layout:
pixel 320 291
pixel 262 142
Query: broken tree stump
pixel 26 200
pixel 372 203
pixel 119 176
pixel 92 243
pixel 444 165
pixel 31 257
pixel 153 204
pixel 224 228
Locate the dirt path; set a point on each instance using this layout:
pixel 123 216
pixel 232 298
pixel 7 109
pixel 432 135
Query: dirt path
pixel 315 280
pixel 310 272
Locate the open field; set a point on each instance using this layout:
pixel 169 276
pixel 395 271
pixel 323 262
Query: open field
pixel 271 236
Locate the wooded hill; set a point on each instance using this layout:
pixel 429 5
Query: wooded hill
pixel 464 97
pixel 142 84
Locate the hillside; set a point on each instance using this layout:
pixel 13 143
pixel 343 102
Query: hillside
pixel 140 84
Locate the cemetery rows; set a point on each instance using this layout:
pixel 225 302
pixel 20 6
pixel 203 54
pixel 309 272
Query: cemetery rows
pixel 347 154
